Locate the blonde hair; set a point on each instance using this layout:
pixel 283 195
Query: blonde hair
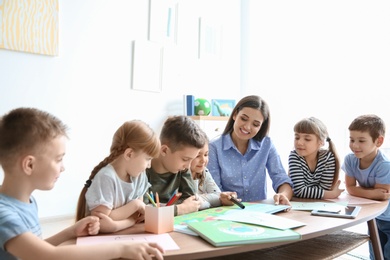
pixel 133 134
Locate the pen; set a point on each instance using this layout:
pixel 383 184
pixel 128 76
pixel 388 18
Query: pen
pixel 151 200
pixel 235 201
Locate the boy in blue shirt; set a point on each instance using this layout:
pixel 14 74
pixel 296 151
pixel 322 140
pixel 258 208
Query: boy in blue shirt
pixel 367 170
pixel 32 147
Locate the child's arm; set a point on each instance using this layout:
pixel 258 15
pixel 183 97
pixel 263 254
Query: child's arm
pixel 119 218
pixel 29 247
pixel 379 192
pixel 84 227
pixel 334 192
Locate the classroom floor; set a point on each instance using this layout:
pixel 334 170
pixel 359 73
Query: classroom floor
pixel 361 252
pixel 50 227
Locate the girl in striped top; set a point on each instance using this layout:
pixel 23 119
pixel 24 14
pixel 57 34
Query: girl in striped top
pixel 313 169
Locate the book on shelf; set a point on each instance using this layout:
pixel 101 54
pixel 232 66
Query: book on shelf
pixel 230 233
pixel 181 222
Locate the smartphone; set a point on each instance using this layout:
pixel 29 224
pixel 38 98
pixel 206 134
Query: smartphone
pixel 347 212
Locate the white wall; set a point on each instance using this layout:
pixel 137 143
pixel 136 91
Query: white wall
pixel 88 85
pixel 328 59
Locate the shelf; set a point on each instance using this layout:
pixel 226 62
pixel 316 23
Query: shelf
pixel 211 118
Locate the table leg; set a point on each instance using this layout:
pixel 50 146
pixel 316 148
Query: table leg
pixel 374 237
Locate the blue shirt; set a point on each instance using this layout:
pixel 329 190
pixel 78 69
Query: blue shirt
pixel 16 218
pixel 246 174
pixel 377 172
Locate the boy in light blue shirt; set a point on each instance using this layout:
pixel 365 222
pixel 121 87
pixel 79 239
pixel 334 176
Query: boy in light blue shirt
pixel 367 170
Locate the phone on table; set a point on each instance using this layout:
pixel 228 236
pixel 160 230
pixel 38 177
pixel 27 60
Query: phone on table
pixel 347 212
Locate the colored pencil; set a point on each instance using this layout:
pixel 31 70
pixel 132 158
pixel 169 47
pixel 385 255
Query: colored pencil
pixel 174 199
pixel 151 200
pixel 157 200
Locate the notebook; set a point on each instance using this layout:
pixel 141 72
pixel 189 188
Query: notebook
pixel 180 222
pixel 229 233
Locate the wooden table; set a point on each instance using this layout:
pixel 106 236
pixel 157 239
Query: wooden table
pixel 192 247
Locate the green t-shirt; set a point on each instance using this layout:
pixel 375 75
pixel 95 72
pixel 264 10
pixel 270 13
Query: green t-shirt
pixel 166 184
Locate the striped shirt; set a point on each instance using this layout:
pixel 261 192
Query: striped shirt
pixel 308 184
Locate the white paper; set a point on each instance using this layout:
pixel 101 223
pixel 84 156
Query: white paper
pixel 164 240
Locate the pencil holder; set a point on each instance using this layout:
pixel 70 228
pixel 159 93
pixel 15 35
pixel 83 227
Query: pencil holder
pixel 159 220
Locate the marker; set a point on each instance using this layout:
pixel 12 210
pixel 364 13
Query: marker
pixel 235 201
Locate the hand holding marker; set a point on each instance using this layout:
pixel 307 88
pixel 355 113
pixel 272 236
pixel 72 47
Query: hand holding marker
pixel 235 201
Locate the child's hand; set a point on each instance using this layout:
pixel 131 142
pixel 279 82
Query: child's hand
pixel 87 226
pixel 334 192
pixel 189 205
pixel 108 224
pixel 142 250
pixel 137 217
pixel 140 205
pixel 381 194
pixel 226 196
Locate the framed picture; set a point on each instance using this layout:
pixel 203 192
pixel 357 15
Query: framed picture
pixel 210 39
pixel 222 107
pixel 163 21
pixel 30 26
pixel 147 66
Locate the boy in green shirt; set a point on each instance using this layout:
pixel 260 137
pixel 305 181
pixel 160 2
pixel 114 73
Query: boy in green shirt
pixel 181 140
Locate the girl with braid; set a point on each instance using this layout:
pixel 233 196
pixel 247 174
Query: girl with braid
pixel 314 170
pixel 114 191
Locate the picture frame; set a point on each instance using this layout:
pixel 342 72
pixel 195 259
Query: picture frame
pixel 222 107
pixel 210 39
pixel 163 21
pixel 147 66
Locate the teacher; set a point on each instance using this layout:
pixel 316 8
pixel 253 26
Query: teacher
pixel 241 156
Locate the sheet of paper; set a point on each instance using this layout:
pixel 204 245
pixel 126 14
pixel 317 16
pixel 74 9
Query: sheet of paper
pixel 325 206
pixel 262 219
pixel 164 240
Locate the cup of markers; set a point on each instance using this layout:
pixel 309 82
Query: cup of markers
pixel 159 218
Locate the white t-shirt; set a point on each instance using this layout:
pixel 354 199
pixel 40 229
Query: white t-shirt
pixel 109 190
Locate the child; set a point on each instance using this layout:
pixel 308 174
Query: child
pixel 181 140
pixel 209 193
pixel 367 170
pixel 32 146
pixel 314 170
pixel 114 191
pixel 241 157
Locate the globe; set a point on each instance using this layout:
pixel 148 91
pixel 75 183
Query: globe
pixel 202 107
